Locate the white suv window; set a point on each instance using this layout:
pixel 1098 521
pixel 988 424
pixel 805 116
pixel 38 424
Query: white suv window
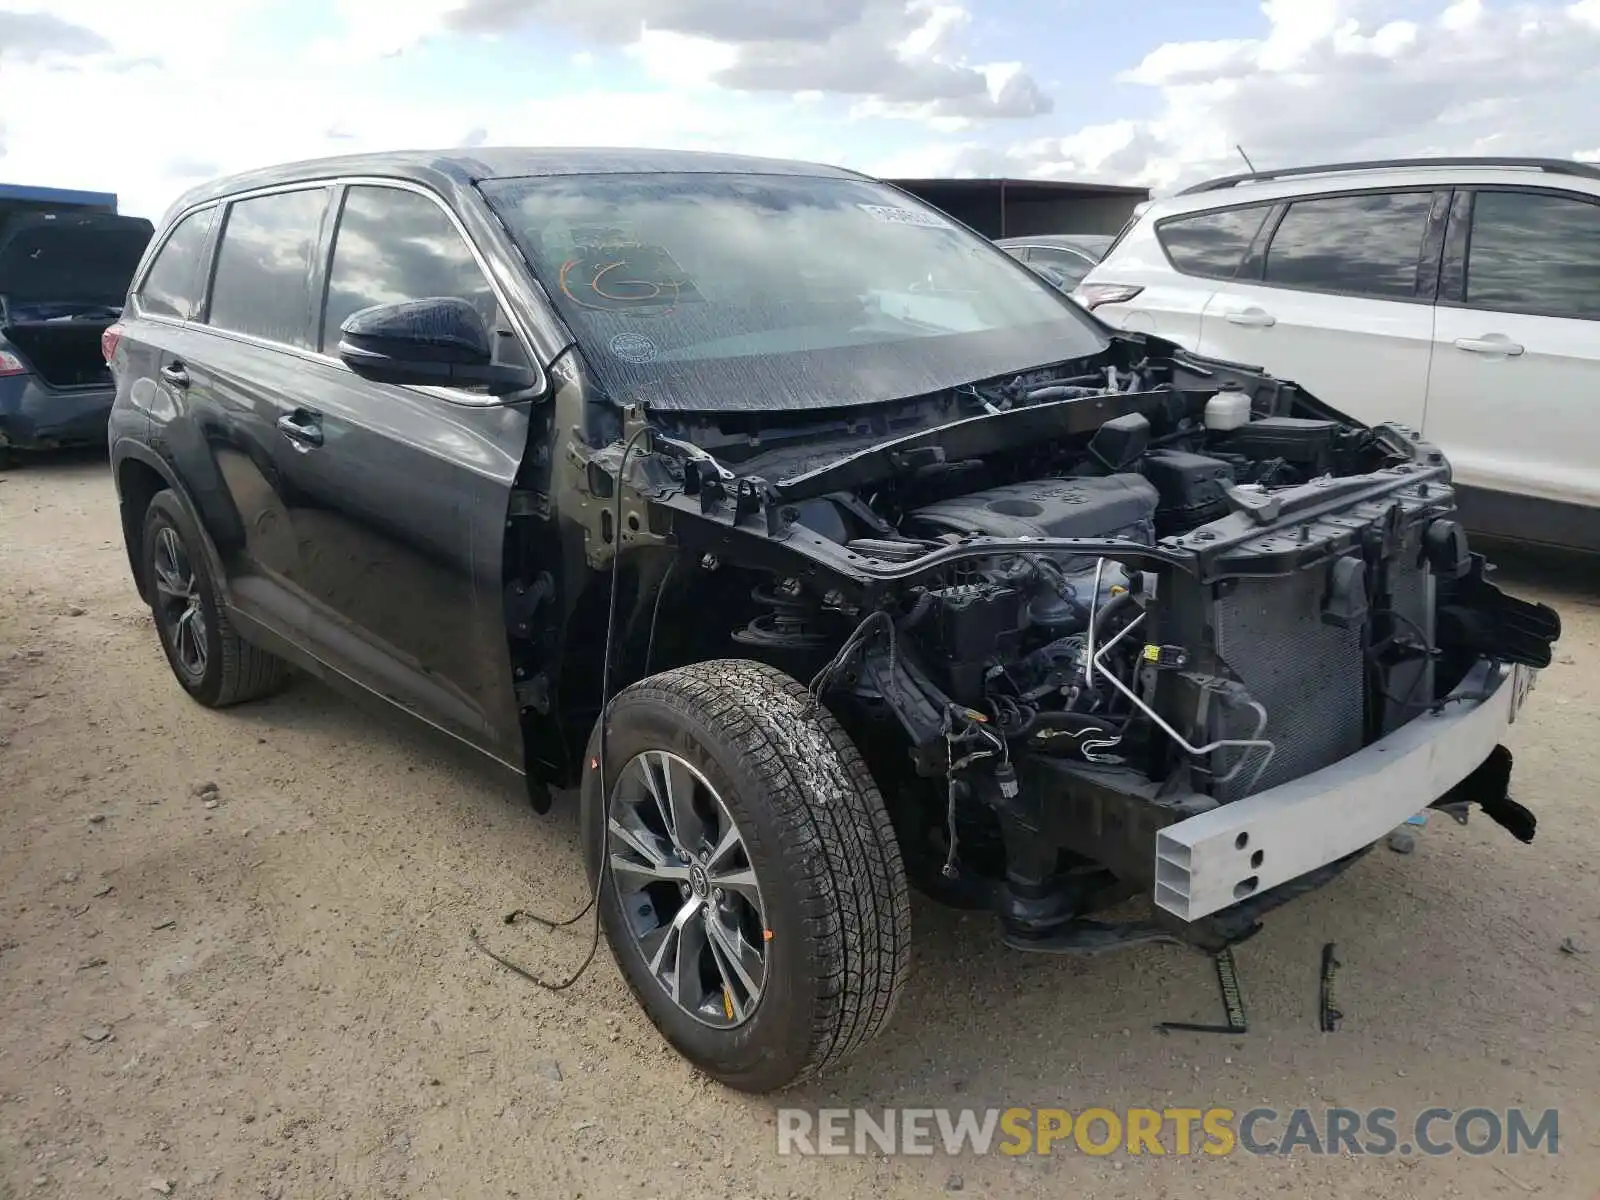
pixel 1532 252
pixel 1365 245
pixel 1211 245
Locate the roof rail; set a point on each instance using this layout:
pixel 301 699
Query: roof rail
pixel 1555 166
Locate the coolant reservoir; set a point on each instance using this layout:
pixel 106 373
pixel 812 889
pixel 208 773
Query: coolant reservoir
pixel 1228 409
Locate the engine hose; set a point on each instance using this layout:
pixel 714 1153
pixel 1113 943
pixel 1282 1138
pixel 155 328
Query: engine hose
pixel 1113 606
pixel 1081 722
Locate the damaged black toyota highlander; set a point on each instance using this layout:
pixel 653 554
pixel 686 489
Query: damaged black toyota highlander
pixel 825 546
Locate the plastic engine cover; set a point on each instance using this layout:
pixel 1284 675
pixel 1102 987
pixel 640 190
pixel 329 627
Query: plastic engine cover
pixel 1092 507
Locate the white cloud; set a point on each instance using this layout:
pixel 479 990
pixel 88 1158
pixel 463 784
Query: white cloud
pixel 62 126
pixel 1325 79
pixel 681 59
pixel 905 53
pixel 1338 79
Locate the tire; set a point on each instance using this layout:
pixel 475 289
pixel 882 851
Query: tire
pixel 231 670
pixel 834 910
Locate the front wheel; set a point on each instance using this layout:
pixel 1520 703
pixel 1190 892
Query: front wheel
pixel 754 895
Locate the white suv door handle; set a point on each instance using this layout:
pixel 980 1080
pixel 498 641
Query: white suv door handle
pixel 1494 343
pixel 1260 318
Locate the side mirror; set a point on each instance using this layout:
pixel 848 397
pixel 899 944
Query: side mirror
pixel 437 342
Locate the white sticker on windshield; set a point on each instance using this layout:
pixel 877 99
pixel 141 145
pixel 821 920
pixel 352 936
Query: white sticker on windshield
pixel 633 347
pixel 903 216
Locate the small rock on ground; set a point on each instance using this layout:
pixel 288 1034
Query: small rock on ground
pixel 1402 843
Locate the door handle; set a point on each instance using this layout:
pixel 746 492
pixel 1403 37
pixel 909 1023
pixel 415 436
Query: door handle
pixel 302 427
pixel 1494 343
pixel 1255 317
pixel 175 374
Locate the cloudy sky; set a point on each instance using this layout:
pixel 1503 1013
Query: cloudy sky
pixel 139 97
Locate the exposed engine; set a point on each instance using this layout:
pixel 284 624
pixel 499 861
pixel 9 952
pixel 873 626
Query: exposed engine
pixel 1040 646
pixel 1061 611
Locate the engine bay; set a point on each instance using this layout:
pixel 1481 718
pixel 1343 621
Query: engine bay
pixel 1055 608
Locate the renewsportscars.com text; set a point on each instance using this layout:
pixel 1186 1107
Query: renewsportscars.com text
pixel 1167 1131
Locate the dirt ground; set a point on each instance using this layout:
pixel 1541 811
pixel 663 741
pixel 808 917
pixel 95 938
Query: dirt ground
pixel 270 991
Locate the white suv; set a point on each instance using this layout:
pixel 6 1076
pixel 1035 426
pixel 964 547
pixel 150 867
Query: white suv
pixel 1460 296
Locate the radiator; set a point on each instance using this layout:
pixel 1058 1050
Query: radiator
pixel 1308 675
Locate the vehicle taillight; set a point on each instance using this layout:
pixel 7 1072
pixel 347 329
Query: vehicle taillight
pixel 10 364
pixel 108 342
pixel 1093 295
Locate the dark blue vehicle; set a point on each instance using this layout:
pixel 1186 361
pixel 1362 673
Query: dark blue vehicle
pixel 65 261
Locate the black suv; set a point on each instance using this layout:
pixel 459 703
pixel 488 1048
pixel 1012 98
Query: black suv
pixel 882 559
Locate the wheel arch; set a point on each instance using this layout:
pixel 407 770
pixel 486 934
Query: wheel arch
pixel 140 474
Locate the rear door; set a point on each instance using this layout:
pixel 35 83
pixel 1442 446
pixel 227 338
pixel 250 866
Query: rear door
pixel 399 495
pixel 240 367
pixel 206 401
pixel 170 292
pixel 1516 368
pixel 1337 296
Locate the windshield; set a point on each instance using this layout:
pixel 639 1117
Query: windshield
pixel 739 293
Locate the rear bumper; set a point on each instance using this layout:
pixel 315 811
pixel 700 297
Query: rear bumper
pixel 1209 862
pixel 34 416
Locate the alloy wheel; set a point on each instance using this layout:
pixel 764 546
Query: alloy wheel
pixel 688 892
pixel 178 605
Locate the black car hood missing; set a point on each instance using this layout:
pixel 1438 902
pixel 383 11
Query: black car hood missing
pixel 83 258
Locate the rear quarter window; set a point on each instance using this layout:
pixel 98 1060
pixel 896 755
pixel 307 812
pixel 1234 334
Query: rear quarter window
pixel 1213 244
pixel 172 286
pixel 262 285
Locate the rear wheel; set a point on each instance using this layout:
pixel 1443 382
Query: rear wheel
pixel 754 895
pixel 212 662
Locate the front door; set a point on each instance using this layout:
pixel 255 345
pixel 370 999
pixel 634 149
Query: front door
pixel 1342 304
pixel 400 494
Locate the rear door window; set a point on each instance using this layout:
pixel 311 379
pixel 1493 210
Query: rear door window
pixel 1532 252
pixel 263 283
pixel 395 245
pixel 1366 245
pixel 172 286
pixel 1211 245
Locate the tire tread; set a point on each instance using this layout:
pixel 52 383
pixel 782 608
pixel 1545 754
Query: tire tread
pixel 840 844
